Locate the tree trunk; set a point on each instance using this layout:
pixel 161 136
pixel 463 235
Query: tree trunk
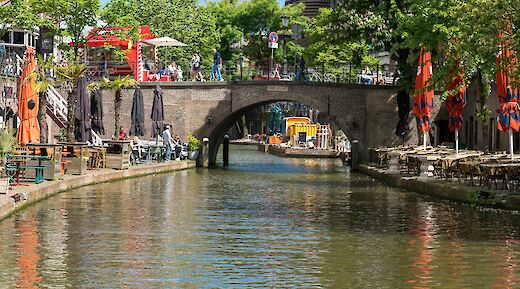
pixel 42 117
pixel 117 111
pixel 482 106
pixel 71 109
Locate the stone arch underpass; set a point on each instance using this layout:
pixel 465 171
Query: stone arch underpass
pixel 208 109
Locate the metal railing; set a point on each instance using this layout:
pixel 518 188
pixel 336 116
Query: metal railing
pixel 57 102
pixel 232 71
pixel 59 107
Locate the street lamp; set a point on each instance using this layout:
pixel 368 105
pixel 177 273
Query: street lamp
pixel 284 35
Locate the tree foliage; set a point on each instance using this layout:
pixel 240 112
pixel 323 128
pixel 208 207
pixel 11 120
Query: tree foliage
pixel 179 19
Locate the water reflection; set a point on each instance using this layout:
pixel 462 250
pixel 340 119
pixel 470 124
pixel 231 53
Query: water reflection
pixel 27 252
pixel 264 222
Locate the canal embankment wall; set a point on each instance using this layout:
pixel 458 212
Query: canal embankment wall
pixel 21 196
pixel 449 190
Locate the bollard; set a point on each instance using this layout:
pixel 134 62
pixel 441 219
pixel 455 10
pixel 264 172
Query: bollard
pixel 354 155
pixel 225 151
pixel 204 156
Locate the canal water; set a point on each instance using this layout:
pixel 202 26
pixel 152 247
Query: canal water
pixel 264 222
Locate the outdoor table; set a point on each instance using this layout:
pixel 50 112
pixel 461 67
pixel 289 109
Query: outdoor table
pixel 469 169
pixel 18 163
pixel 395 160
pixel 427 169
pixel 493 172
pixel 154 151
pixel 449 163
pixel 53 163
pixel 118 154
pixel 75 156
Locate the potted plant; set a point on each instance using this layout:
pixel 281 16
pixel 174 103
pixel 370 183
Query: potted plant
pixel 7 145
pixel 193 147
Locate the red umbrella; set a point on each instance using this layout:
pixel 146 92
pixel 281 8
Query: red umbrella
pixel 423 101
pixel 455 103
pixel 507 63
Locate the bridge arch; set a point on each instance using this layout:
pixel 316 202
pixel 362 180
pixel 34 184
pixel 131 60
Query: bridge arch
pixel 349 106
pixel 224 122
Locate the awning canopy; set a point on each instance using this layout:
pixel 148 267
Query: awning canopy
pixel 164 41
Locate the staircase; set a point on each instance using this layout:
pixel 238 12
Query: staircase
pixel 57 110
pixel 56 107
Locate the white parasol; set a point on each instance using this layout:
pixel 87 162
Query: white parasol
pixel 164 41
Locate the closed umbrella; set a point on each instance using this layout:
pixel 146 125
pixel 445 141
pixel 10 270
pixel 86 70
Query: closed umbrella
pixel 455 103
pixel 83 128
pixel 157 112
pixel 137 127
pixel 423 101
pixel 29 129
pixel 508 120
pixel 96 111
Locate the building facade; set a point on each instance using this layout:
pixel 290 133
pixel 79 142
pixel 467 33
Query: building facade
pixel 312 7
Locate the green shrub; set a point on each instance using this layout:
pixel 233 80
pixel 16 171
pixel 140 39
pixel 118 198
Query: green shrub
pixel 193 143
pixel 7 142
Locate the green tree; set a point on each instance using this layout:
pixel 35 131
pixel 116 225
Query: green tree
pixel 69 76
pixel 21 14
pixel 324 49
pixel 179 19
pixel 117 85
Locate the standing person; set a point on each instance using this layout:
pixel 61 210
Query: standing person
pixel 216 68
pixel 301 72
pixel 195 73
pixel 168 142
pixel 366 76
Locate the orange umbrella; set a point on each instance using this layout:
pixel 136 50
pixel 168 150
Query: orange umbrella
pixel 29 129
pixel 423 101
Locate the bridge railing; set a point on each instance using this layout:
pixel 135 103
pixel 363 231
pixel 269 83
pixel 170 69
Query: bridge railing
pixel 252 70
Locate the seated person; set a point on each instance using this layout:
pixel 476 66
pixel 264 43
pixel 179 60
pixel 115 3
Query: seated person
pixel 173 71
pixel 177 147
pixel 137 146
pixel 122 134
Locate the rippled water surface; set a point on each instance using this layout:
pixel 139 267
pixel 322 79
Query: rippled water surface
pixel 264 222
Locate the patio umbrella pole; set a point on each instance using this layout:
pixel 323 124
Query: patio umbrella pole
pixel 424 140
pixel 511 143
pixel 456 141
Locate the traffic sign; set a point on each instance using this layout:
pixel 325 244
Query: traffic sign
pixel 273 37
pixel 297 30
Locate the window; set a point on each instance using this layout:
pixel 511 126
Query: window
pixel 18 38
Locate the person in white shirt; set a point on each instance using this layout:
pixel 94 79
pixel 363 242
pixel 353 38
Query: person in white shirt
pixel 168 142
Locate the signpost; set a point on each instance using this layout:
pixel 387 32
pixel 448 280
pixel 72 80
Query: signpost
pixel 297 31
pixel 273 44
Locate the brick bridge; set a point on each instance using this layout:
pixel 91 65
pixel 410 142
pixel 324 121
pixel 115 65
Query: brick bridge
pixel 208 109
